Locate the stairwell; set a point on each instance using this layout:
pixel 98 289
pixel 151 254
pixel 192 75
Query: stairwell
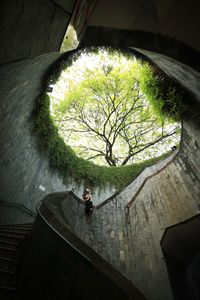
pixel 11 238
pixel 56 264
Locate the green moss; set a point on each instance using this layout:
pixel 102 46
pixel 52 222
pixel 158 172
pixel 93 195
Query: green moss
pixel 161 92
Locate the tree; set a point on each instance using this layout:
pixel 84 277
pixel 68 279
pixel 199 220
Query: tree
pixel 105 115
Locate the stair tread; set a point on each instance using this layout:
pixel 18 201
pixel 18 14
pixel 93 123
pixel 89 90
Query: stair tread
pixel 7 248
pixel 14 230
pixel 9 242
pixel 7 271
pixel 16 235
pixel 10 237
pixel 6 259
pixel 17 226
pixel 2 287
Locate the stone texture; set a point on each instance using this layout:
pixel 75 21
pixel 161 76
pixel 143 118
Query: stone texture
pixel 130 240
pixel 34 27
pixel 24 169
pixel 52 269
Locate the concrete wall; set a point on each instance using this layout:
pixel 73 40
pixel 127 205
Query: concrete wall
pixel 51 269
pixel 32 27
pixel 24 169
pixel 166 199
pixel 130 239
pixel 174 18
pixel 98 36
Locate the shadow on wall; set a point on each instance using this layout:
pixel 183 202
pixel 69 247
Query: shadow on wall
pixel 181 247
pixel 104 36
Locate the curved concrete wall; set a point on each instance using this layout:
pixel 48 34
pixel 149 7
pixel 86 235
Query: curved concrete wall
pixel 30 28
pixel 173 18
pixel 130 239
pixel 25 171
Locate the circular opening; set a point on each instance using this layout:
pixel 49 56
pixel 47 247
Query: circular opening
pixel 147 92
pixel 104 109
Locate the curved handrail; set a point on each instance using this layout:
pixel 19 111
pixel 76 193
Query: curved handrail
pixel 57 232
pixel 95 259
pixel 76 197
pixel 129 204
pixel 19 206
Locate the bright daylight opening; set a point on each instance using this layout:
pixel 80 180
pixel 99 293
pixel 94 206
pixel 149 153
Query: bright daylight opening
pixel 70 41
pixel 103 111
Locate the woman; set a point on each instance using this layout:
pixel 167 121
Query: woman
pixel 87 197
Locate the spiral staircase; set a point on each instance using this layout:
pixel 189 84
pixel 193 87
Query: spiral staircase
pixel 11 239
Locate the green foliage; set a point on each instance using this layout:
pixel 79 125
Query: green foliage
pixel 64 158
pixel 162 95
pixel 103 101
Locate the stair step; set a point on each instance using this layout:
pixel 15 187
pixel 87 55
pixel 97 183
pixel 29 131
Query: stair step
pixel 9 242
pixel 7 277
pixel 7 248
pixel 7 288
pixel 17 226
pixel 14 230
pixel 10 237
pixel 10 284
pixel 7 271
pixel 7 265
pixel 7 254
pixel 15 235
pixel 6 259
